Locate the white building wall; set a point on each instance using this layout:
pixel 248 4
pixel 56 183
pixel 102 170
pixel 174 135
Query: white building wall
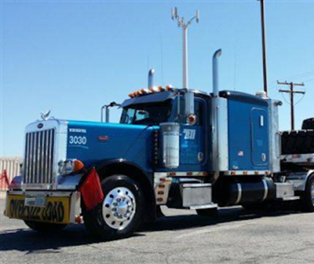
pixel 11 165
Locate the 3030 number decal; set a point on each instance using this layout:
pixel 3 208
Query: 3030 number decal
pixel 77 140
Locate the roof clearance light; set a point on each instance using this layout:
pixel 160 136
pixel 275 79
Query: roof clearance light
pixel 150 90
pixel 169 87
pixel 156 89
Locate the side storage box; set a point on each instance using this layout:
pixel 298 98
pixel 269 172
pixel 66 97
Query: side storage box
pixel 196 194
pixel 284 190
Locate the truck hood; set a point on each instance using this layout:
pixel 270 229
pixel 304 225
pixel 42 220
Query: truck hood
pixel 93 142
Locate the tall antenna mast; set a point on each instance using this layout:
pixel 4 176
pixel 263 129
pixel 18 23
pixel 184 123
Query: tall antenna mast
pixel 264 45
pixel 184 26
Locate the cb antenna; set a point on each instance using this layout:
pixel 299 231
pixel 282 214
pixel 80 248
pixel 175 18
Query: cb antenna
pixel 184 26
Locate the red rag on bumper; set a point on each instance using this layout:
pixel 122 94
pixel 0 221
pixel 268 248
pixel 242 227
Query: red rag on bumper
pixel 91 190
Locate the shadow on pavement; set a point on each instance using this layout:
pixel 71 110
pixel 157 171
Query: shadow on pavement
pixel 30 241
pixel 225 215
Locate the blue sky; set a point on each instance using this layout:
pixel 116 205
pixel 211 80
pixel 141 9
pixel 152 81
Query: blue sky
pixel 74 56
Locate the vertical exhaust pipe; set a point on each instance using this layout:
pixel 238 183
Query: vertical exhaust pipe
pixel 151 78
pixel 216 55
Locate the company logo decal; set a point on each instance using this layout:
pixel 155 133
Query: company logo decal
pixel 77 140
pixel 189 134
pixel 77 130
pixel 103 138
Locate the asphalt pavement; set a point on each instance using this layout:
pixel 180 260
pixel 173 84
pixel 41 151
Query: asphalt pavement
pixel 237 236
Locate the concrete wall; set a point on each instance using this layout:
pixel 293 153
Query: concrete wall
pixel 12 166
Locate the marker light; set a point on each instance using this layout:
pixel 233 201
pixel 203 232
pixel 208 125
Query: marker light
pixel 150 90
pixel 169 87
pixel 67 167
pixel 191 120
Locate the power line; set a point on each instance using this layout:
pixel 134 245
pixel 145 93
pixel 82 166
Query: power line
pixel 310 80
pixel 295 77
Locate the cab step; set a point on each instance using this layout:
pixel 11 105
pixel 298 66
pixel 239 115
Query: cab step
pixel 293 198
pixel 206 206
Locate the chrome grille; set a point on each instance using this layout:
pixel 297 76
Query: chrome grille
pixel 38 160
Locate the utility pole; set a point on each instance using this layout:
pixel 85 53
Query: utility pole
pixel 291 91
pixel 264 45
pixel 184 25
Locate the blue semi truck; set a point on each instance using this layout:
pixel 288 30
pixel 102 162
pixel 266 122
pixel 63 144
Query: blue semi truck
pixel 180 148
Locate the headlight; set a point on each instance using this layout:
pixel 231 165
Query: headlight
pixel 67 167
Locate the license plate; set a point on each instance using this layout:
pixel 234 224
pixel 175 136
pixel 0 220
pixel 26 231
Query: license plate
pixel 40 208
pixel 39 201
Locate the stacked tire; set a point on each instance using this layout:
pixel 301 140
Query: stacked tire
pixel 308 124
pixel 297 142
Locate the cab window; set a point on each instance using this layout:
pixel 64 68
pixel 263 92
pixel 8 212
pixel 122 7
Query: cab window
pixel 147 114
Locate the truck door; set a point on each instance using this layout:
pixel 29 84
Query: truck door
pixel 259 136
pixel 193 141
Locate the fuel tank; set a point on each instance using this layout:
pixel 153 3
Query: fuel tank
pixel 243 191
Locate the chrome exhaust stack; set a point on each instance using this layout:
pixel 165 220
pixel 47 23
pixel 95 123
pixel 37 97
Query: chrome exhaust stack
pixel 216 55
pixel 219 124
pixel 151 78
pixel 189 103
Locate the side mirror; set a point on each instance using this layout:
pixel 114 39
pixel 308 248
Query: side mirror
pixel 112 104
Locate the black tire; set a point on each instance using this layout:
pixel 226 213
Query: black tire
pixel 307 202
pixel 297 142
pixel 103 222
pixel 44 227
pixel 210 212
pixel 308 123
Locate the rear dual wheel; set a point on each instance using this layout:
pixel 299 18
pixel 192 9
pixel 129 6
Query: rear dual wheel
pixel 307 198
pixel 120 214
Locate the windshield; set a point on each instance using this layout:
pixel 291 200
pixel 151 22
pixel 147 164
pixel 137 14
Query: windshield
pixel 147 114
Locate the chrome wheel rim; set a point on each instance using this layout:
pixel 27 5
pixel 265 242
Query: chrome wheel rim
pixel 312 193
pixel 119 208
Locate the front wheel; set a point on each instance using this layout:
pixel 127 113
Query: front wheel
pixel 121 211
